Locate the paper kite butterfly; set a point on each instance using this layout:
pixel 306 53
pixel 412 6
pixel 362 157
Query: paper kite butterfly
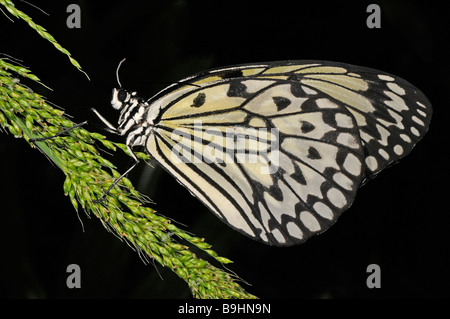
pixel 276 150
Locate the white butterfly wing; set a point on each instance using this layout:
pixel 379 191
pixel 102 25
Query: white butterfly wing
pixel 314 130
pixel 300 166
pixel 392 115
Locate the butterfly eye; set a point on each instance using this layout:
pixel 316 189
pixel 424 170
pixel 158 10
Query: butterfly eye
pixel 122 95
pixel 119 96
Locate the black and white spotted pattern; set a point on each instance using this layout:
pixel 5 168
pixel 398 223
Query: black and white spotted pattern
pixel 313 132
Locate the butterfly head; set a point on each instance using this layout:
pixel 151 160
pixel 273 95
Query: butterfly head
pixel 119 98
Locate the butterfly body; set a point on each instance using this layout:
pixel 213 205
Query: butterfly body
pixel 277 150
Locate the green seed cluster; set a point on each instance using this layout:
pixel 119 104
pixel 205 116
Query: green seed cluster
pixel 27 115
pixel 9 5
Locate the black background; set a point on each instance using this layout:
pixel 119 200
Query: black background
pixel 399 220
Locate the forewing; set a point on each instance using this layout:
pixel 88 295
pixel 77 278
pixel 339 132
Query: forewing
pixel 274 160
pixel 392 115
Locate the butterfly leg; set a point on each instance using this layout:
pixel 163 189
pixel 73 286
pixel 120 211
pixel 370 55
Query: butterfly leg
pixel 131 140
pixel 115 183
pixel 110 128
pixel 38 139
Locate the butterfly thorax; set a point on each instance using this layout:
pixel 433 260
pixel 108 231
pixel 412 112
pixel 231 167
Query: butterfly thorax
pixel 135 117
pixel 133 110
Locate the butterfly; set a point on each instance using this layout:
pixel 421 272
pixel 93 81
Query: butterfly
pixel 276 150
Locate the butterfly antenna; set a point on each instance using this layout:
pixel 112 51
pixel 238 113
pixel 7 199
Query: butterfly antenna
pixel 36 7
pixel 117 72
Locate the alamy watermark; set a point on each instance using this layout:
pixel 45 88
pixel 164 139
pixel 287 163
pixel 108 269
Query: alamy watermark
pixel 374 19
pixel 74 19
pixel 374 278
pixel 237 144
pixel 74 279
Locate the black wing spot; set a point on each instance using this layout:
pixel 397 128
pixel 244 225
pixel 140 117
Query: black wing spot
pixel 281 102
pixel 313 153
pixel 276 192
pixel 221 163
pixel 199 100
pixel 307 127
pixel 238 89
pixel 296 90
pixel 298 176
pixel 231 74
